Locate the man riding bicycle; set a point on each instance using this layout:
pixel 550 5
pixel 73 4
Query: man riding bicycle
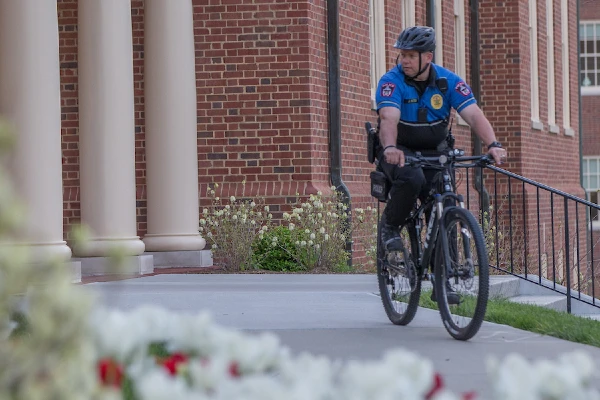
pixel 414 102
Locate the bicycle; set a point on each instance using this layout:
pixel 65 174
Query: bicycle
pixel 461 266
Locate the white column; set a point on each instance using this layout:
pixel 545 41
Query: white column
pixel 30 99
pixel 171 144
pixel 106 127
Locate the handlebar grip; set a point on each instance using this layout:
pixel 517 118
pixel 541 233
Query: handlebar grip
pixel 410 160
pixel 486 159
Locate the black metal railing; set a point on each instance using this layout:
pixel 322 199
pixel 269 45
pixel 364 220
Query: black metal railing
pixel 537 233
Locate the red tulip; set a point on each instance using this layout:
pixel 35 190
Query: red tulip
pixel 111 372
pixel 438 384
pixel 234 369
pixel 171 363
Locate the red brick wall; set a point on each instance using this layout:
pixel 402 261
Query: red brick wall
pixel 258 79
pixel 137 20
pixel 590 124
pixel 67 20
pixel 589 10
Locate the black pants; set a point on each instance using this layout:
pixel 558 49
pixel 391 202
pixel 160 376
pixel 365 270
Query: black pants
pixel 408 184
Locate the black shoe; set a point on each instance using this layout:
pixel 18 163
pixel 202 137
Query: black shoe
pixel 390 237
pixel 452 297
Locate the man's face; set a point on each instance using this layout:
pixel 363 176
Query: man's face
pixel 409 59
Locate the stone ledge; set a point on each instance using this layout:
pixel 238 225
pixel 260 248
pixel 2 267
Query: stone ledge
pixel 75 267
pixel 132 265
pixel 192 258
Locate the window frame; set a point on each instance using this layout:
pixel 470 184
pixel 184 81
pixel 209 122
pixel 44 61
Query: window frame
pixel 589 190
pixel 377 45
pixel 551 65
pixel 534 66
pixel 592 89
pixel 409 12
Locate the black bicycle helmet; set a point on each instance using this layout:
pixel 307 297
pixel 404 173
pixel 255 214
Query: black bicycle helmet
pixel 418 38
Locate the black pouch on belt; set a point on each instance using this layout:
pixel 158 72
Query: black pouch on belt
pixel 380 186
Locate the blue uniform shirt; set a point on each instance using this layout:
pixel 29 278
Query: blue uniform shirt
pixel 423 117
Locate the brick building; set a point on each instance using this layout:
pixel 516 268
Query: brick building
pixel 147 102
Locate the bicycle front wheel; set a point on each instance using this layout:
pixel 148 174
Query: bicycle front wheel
pixel 398 277
pixel 462 280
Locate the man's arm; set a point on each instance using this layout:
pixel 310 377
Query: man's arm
pixel 388 134
pixel 479 123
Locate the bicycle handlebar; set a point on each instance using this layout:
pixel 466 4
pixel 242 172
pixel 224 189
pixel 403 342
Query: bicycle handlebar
pixel 453 157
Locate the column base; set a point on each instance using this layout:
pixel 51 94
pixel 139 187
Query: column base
pixel 175 242
pixel 44 252
pixel 107 247
pixel 196 258
pixel 132 265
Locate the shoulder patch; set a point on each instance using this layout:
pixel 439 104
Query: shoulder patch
pixel 387 89
pixel 462 88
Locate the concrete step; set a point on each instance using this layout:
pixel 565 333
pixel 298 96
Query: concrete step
pixel 590 316
pixel 555 302
pixel 504 286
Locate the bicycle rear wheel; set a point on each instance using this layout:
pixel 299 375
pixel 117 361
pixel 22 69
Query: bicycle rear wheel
pixel 399 278
pixel 466 274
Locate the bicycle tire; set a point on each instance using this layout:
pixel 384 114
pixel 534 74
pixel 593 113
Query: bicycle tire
pixel 393 302
pixel 460 270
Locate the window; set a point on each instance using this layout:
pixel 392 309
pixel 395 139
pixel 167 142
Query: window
pixel 591 184
pixel 533 48
pixel 408 13
pixel 378 44
pixel 589 53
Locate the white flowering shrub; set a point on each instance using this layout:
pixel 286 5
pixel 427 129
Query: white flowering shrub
pixel 319 230
pixel 163 355
pixel 153 354
pixel 232 226
pixel 570 377
pixel 312 237
pixel 45 350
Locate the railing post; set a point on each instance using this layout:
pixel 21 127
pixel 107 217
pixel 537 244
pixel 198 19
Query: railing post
pixel 567 256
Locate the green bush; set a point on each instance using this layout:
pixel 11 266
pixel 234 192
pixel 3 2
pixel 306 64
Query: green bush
pixel 275 251
pixel 319 229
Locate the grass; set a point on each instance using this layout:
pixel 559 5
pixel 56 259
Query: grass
pixel 534 319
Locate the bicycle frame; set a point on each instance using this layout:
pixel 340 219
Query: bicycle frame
pixel 436 219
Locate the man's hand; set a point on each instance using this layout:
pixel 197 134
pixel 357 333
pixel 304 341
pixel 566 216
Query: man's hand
pixel 499 154
pixel 393 155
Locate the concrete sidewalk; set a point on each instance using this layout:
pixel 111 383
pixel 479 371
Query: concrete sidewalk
pixel 340 316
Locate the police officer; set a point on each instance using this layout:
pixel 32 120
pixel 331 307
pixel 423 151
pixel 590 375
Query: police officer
pixel 414 102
